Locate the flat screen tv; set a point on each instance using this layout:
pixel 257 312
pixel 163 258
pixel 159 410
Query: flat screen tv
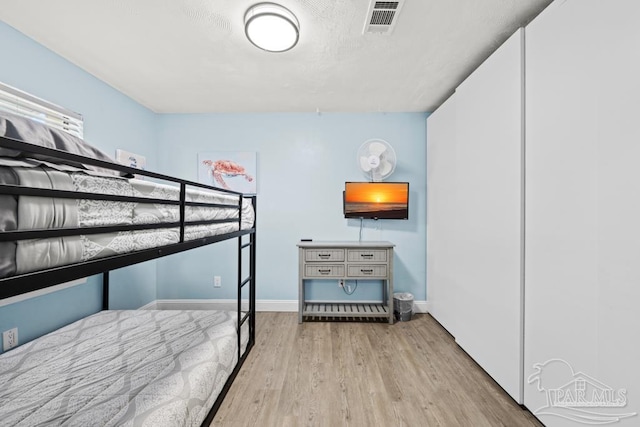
pixel 376 200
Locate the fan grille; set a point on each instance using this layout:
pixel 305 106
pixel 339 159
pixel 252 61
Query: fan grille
pixel 376 159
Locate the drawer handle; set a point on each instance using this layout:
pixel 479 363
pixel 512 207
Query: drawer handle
pixel 324 271
pixel 367 271
pixel 324 256
pixel 367 255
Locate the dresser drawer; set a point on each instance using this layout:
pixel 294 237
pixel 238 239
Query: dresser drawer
pixel 315 255
pixel 367 255
pixel 363 270
pixel 324 270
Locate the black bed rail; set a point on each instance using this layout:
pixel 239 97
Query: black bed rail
pixel 47 154
pixel 76 231
pixel 27 282
pixel 19 284
pixel 18 190
pixel 248 280
pixel 183 197
pixel 105 290
pixel 249 316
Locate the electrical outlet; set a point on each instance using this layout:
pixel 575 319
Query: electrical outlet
pixel 341 283
pixel 217 281
pixel 9 339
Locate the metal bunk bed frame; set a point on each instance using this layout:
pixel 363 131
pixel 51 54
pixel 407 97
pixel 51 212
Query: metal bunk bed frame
pixel 28 282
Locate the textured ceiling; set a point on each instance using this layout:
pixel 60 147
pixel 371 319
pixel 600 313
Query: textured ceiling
pixel 190 56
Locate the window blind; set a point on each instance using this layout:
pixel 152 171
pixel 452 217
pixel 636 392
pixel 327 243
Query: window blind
pixel 17 102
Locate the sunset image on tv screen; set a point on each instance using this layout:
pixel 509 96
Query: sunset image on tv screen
pixel 376 200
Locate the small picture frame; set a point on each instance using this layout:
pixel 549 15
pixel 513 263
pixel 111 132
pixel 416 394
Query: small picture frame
pixel 132 160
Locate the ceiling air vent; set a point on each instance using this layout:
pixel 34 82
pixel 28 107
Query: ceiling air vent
pixel 382 16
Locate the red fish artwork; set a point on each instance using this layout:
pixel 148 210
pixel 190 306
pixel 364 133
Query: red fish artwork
pixel 227 168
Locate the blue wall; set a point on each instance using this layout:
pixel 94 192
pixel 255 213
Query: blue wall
pixel 111 121
pixel 303 162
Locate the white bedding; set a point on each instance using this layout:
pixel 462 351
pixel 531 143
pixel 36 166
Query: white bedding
pixel 46 213
pixel 125 368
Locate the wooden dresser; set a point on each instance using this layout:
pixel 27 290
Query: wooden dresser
pixel 341 261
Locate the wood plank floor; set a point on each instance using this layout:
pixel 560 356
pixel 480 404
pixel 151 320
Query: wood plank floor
pixel 363 374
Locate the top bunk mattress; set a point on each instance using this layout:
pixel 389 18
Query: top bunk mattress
pixel 30 156
pixel 126 368
pixel 39 213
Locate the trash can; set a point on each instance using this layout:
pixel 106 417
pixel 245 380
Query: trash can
pixel 402 306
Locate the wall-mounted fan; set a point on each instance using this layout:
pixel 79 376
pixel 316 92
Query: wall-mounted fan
pixel 377 159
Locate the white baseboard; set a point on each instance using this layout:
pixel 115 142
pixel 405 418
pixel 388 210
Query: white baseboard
pixel 277 305
pixel 421 306
pixel 153 305
pixel 196 304
pixel 230 304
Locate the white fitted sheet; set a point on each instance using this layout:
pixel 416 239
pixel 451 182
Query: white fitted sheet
pixel 46 213
pixel 126 368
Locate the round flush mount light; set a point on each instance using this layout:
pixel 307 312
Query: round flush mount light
pixel 271 27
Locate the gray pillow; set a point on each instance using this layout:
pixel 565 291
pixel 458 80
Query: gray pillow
pixel 32 132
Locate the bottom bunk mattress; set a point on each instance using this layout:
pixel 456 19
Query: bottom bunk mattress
pixel 125 368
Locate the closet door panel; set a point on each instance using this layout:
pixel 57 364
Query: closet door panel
pixel 582 208
pixel 619 202
pixel 561 289
pixel 441 209
pixel 489 214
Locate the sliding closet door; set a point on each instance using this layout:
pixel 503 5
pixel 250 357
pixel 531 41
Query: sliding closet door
pixel 618 330
pixel 441 215
pixel 561 291
pixel 489 214
pixel 583 206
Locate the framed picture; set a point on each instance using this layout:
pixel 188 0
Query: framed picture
pixel 232 170
pixel 132 160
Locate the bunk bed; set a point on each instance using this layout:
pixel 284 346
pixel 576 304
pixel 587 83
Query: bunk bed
pixel 67 211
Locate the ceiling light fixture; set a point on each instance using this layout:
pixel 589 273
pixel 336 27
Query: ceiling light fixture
pixel 271 27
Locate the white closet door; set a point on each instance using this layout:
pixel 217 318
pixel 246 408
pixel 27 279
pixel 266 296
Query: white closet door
pixel 561 193
pixel 583 203
pixel 618 332
pixel 489 215
pixel 441 209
